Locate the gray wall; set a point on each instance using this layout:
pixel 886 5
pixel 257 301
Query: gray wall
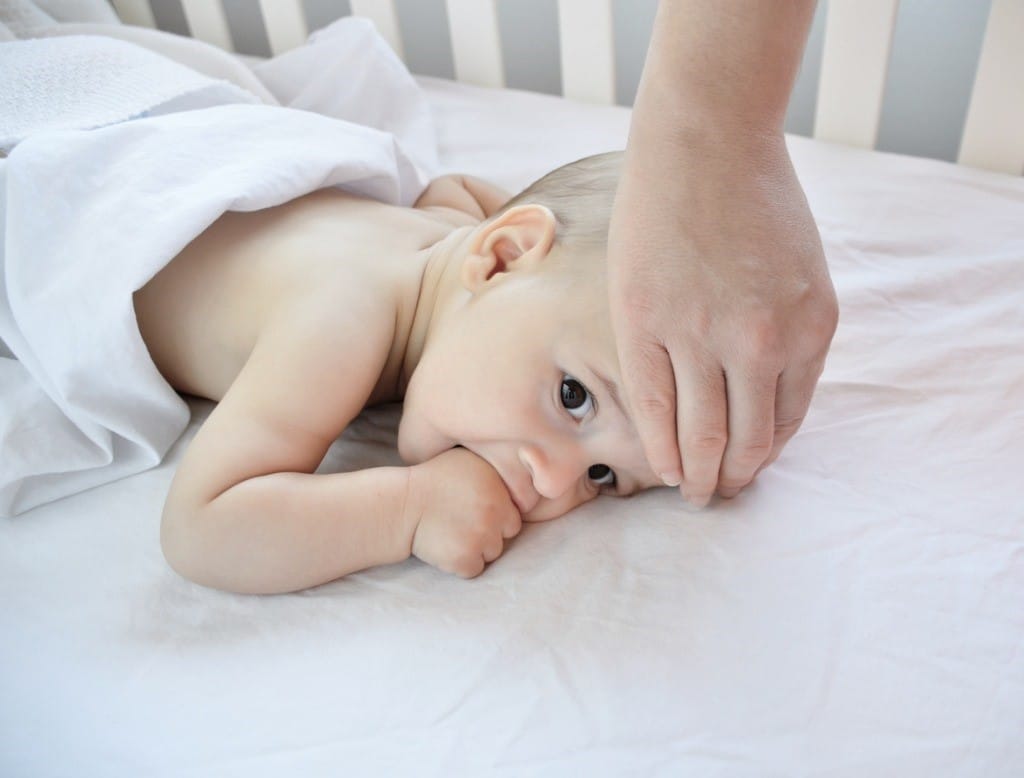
pixel 935 53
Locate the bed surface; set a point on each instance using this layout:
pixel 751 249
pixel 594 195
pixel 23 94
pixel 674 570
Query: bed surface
pixel 858 611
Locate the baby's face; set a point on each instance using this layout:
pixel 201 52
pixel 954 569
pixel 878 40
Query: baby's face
pixel 526 377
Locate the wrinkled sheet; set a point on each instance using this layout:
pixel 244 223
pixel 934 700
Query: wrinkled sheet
pixel 857 611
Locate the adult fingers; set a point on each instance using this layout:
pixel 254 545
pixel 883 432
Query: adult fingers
pixel 751 428
pixel 702 428
pixel 793 398
pixel 651 389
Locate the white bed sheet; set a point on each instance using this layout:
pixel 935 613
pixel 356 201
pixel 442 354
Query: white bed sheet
pixel 858 611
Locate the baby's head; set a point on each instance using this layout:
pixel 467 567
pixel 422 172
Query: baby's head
pixel 521 366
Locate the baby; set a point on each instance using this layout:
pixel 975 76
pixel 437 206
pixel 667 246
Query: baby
pixel 486 316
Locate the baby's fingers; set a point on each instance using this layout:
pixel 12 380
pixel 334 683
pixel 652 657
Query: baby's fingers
pixel 509 529
pixel 470 566
pixel 512 525
pixel 493 547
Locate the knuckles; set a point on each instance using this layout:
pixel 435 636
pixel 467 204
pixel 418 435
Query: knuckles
pixel 468 568
pixel 707 442
pixel 655 406
pixel 785 426
pixel 754 452
pixel 764 341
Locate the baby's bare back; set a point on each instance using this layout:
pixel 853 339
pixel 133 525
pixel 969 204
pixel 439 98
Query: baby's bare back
pixel 327 255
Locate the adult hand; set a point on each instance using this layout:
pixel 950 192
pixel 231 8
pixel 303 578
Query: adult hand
pixel 722 304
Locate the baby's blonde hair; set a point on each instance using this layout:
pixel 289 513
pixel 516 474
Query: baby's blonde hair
pixel 580 195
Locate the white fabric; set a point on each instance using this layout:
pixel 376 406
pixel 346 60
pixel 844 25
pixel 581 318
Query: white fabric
pixel 82 82
pixel 191 52
pixel 24 18
pixel 855 612
pixel 20 17
pixel 347 71
pixel 90 216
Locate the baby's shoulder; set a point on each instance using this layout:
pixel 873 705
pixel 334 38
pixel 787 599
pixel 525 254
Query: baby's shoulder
pixel 462 199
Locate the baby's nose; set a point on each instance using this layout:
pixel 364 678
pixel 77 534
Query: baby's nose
pixel 553 472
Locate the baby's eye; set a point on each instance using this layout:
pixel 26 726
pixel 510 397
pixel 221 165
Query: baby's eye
pixel 575 397
pixel 601 475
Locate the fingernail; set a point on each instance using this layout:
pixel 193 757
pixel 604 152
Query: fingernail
pixel 728 493
pixel 672 479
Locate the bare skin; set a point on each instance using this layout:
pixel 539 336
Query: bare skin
pixel 722 302
pixel 297 317
pixel 202 316
pixel 294 319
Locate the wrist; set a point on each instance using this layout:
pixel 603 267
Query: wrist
pixel 722 71
pixel 659 129
pixel 411 511
pixel 686 165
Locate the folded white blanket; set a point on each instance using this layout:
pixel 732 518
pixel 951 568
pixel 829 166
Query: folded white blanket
pixel 83 82
pixel 22 18
pixel 87 217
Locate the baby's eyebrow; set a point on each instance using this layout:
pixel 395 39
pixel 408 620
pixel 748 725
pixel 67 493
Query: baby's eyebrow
pixel 612 388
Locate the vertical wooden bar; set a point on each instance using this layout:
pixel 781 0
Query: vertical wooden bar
pixel 587 48
pixel 476 43
pixel 858 39
pixel 385 17
pixel 993 136
pixel 208 22
pixel 285 23
pixel 137 12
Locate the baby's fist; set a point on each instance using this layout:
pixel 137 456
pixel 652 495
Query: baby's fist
pixel 462 512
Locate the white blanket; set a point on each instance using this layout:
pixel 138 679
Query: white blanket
pixel 84 82
pixel 90 215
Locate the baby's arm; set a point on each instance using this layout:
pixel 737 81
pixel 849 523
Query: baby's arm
pixel 245 511
pixel 467 194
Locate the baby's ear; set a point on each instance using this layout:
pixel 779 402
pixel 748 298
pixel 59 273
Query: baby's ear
pixel 516 239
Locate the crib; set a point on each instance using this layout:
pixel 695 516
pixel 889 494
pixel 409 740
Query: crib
pixel 856 611
pixel 851 82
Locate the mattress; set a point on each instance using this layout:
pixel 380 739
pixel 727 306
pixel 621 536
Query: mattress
pixel 858 610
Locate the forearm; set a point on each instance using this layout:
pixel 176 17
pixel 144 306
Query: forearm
pixel 287 531
pixel 723 67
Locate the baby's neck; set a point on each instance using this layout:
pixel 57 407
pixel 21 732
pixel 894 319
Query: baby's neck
pixel 440 290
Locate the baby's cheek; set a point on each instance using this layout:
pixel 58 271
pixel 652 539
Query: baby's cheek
pixel 419 441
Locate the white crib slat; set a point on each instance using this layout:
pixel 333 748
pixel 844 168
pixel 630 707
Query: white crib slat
pixel 382 13
pixel 137 12
pixel 208 22
pixel 587 46
pixel 858 38
pixel 476 44
pixel 285 23
pixel 993 135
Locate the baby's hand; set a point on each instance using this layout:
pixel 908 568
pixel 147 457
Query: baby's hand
pixel 462 512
